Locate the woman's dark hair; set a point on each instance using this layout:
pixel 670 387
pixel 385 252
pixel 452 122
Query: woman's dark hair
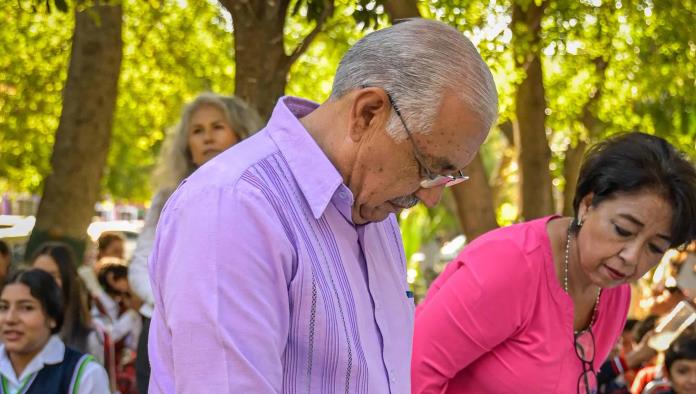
pixel 683 348
pixel 42 287
pixel 76 326
pixel 636 162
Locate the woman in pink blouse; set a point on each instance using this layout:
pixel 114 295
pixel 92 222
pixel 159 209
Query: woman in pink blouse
pixel 537 306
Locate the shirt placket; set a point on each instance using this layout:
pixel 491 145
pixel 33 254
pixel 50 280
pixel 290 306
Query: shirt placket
pixel 376 255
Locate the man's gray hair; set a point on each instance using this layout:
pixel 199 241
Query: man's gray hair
pixel 416 61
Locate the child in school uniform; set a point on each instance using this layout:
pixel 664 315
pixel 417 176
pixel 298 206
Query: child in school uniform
pixel 33 359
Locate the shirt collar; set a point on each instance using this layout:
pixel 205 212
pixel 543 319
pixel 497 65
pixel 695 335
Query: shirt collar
pixel 52 353
pixel 316 176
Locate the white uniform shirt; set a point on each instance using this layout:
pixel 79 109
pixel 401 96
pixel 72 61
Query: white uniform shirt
pixel 93 381
pixel 138 269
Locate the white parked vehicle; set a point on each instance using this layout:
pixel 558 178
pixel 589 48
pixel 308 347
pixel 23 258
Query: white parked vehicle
pixel 15 230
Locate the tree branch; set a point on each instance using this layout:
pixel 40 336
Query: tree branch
pixel 307 41
pixel 588 118
pixel 401 9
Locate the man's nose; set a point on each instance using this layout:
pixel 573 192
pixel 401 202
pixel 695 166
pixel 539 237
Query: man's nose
pixel 430 196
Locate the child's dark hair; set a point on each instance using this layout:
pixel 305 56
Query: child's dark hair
pixel 635 162
pixel 115 270
pixel 683 348
pixel 43 287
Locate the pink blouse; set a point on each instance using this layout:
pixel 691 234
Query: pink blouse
pixel 497 320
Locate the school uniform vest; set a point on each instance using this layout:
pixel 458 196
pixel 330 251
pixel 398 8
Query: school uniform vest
pixel 61 378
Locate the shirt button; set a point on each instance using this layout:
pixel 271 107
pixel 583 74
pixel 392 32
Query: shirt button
pixel 392 376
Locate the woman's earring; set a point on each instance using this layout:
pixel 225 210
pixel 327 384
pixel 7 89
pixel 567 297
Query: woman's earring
pixel 580 221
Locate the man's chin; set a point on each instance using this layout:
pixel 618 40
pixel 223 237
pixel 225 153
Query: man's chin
pixel 364 214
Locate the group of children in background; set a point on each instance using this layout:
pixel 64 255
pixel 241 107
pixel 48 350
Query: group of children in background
pixel 636 368
pixel 65 327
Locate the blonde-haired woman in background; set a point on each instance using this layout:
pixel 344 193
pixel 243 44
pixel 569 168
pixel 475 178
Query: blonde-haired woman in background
pixel 209 125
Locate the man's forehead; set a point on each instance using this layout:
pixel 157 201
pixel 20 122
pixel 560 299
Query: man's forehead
pixel 451 151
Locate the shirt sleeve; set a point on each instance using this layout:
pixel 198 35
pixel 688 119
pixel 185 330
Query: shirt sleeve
pixel 479 301
pixel 138 275
pixel 94 380
pixel 223 262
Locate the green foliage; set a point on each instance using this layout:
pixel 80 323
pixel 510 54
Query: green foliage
pixel 33 66
pixel 312 75
pixel 175 49
pixel 421 225
pixel 649 54
pixel 37 5
pixel 171 52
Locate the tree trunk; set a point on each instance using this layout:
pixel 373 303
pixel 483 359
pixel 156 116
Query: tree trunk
pixel 84 132
pixel 401 9
pixel 571 170
pixel 534 154
pixel 475 201
pixel 262 65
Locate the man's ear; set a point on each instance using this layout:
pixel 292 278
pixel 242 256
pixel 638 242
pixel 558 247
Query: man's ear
pixel 369 112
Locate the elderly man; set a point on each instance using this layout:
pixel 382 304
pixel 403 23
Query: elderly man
pixel 278 266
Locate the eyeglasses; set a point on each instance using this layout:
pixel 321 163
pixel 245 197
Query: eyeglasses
pixel 431 179
pixel 585 350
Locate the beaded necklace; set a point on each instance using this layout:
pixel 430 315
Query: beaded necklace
pixel 565 275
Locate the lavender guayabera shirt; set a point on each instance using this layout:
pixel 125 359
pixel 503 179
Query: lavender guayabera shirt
pixel 263 284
